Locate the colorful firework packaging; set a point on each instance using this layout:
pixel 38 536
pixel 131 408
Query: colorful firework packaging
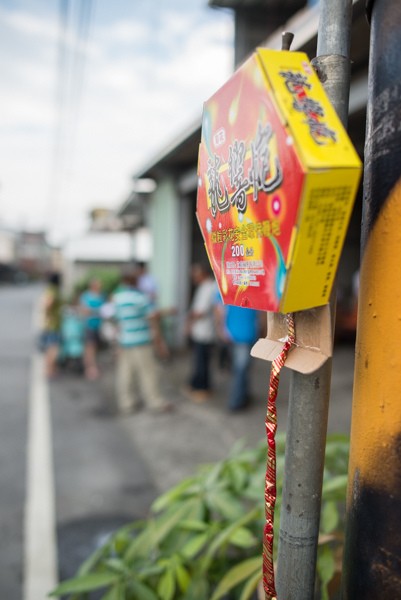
pixel 277 179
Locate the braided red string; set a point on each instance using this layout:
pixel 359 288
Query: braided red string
pixel 270 487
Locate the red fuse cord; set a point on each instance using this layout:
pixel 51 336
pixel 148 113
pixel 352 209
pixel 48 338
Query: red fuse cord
pixel 270 487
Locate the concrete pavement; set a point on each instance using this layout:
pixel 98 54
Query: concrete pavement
pixel 172 445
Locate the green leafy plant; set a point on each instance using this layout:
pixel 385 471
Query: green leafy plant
pixel 203 538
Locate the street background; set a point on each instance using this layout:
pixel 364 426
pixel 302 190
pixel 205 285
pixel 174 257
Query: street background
pixel 108 468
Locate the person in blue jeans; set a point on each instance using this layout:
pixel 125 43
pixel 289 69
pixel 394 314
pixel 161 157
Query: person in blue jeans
pixel 240 328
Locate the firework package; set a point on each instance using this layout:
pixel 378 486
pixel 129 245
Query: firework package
pixel 277 179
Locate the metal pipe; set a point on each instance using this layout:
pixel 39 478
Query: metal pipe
pixel 300 507
pixel 309 394
pixel 334 35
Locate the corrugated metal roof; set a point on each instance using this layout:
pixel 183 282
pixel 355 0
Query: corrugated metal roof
pixel 271 4
pixel 179 154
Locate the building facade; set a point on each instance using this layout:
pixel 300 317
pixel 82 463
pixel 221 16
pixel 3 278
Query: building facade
pixel 169 211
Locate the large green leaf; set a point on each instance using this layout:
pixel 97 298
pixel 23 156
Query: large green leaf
pixel 117 565
pixel 198 589
pixel 176 493
pixel 115 593
pixel 238 475
pixel 158 529
pixel 118 541
pixel 164 524
pixel 225 535
pixel 85 583
pixel 178 536
pixel 335 488
pixel 236 575
pixel 225 504
pixel 255 487
pixel 325 568
pixel 183 578
pixel 142 591
pixel 251 585
pixel 213 475
pixel 92 560
pixel 195 545
pixel 140 545
pixel 192 525
pixel 166 586
pixel 325 564
pixel 121 540
pixel 254 492
pixel 337 454
pixel 148 571
pixel 243 538
pixel 330 517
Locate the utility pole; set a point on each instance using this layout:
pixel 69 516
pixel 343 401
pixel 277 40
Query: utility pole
pixel 309 394
pixel 372 553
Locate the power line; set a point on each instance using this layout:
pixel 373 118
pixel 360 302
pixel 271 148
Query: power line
pixel 78 70
pixel 73 36
pixel 60 98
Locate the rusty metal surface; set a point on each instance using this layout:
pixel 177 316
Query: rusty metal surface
pixel 369 6
pixel 383 132
pixel 291 5
pixel 372 552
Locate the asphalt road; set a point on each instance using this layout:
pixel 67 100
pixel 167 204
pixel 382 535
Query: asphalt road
pixel 99 478
pixel 16 343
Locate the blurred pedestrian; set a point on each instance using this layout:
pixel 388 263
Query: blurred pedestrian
pixel 147 284
pixel 72 334
pixel 136 365
pixel 201 329
pixel 239 327
pixel 90 302
pixel 51 323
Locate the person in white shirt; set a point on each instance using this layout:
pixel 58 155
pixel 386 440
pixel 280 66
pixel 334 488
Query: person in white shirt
pixel 201 328
pixel 146 282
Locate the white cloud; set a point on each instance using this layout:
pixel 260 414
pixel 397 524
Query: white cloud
pixel 143 85
pixel 123 32
pixel 29 24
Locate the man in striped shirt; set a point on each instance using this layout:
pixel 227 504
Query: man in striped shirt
pixel 136 364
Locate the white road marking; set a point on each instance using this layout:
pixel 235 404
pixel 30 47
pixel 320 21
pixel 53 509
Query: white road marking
pixel 40 568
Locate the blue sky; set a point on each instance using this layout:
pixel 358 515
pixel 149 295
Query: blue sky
pixel 149 67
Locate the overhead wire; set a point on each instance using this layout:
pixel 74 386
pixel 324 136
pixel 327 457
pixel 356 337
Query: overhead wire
pixel 78 65
pixel 60 97
pixel 73 36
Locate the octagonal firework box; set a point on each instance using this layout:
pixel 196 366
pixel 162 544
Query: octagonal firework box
pixel 277 179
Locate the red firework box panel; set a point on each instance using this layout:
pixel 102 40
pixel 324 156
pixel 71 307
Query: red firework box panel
pixel 277 179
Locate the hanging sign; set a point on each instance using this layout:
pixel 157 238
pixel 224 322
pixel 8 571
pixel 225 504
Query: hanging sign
pixel 277 179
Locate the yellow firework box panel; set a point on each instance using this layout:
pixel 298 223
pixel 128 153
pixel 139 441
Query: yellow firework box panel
pixel 277 181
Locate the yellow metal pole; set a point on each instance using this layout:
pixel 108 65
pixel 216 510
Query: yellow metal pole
pixel 372 554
